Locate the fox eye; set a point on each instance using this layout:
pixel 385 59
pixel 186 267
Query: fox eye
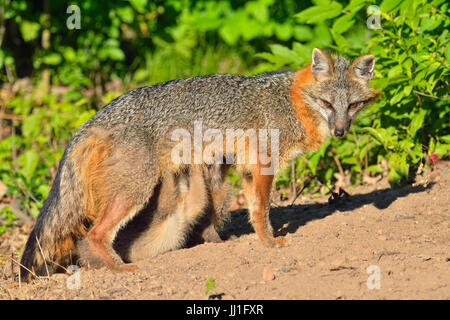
pixel 328 105
pixel 354 105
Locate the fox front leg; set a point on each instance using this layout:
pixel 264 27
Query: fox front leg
pixel 257 190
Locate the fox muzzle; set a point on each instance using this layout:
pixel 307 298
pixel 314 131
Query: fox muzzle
pixel 339 132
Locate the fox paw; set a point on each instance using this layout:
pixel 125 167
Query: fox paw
pixel 129 267
pixel 280 241
pixel 277 242
pixel 211 235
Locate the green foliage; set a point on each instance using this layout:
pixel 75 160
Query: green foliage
pixel 6 219
pixel 29 157
pixel 411 120
pixel 210 285
pixel 144 41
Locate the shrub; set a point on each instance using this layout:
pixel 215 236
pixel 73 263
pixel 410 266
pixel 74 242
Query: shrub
pixel 411 120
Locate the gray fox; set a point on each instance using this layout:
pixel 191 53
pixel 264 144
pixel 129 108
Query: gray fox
pixel 116 160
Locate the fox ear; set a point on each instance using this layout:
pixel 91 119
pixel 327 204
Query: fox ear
pixel 363 66
pixel 321 64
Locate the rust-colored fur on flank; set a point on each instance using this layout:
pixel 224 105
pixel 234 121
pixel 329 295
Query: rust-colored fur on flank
pixel 90 154
pixel 62 222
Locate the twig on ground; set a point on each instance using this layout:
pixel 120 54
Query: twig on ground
pixel 22 266
pixel 301 190
pixel 43 257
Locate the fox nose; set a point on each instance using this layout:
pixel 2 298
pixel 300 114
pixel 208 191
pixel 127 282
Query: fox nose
pixel 339 132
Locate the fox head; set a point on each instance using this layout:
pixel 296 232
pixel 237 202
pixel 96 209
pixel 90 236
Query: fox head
pixel 341 90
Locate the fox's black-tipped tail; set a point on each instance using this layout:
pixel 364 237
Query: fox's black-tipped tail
pixel 32 262
pixel 52 238
pixel 69 209
pixel 63 218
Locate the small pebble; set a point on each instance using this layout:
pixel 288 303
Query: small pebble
pixel 268 275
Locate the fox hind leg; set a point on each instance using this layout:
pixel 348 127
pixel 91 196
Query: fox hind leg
pixel 120 187
pixel 102 234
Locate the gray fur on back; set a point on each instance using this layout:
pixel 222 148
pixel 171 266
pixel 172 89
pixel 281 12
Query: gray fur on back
pixel 219 101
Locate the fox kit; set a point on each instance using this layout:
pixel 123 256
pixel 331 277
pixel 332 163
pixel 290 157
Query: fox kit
pixel 199 207
pixel 115 162
pixel 188 206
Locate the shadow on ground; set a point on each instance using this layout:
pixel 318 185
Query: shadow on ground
pixel 284 219
pixel 293 217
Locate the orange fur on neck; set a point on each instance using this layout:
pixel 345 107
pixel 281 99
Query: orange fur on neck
pixel 303 113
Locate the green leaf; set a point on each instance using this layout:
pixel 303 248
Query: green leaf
pixel 303 33
pixel 270 57
pixel 126 14
pixel 114 53
pixel 394 177
pixel 379 134
pixel 343 23
pixel 259 10
pixel 231 30
pixel 313 162
pixel 302 51
pixel 446 138
pixel 29 30
pixel 356 5
pixel 395 72
pixel 340 40
pixel 68 53
pixel 44 190
pixel 250 28
pixel 388 5
pixel 29 161
pixel 396 98
pixel 398 163
pixel 375 168
pixel 284 52
pixel 442 149
pixel 52 59
pixel 407 90
pixel 349 160
pixel 429 24
pixel 139 5
pixel 283 31
pixel 2 57
pixel 329 174
pixel 210 285
pixel 417 121
pixel 323 36
pixel 31 125
pixel 321 13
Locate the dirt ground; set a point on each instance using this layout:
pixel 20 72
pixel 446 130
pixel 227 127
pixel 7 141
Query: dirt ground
pixel 379 243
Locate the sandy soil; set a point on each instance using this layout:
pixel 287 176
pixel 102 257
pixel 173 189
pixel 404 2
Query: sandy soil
pixel 402 235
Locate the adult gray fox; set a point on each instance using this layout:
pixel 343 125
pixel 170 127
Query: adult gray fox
pixel 114 162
